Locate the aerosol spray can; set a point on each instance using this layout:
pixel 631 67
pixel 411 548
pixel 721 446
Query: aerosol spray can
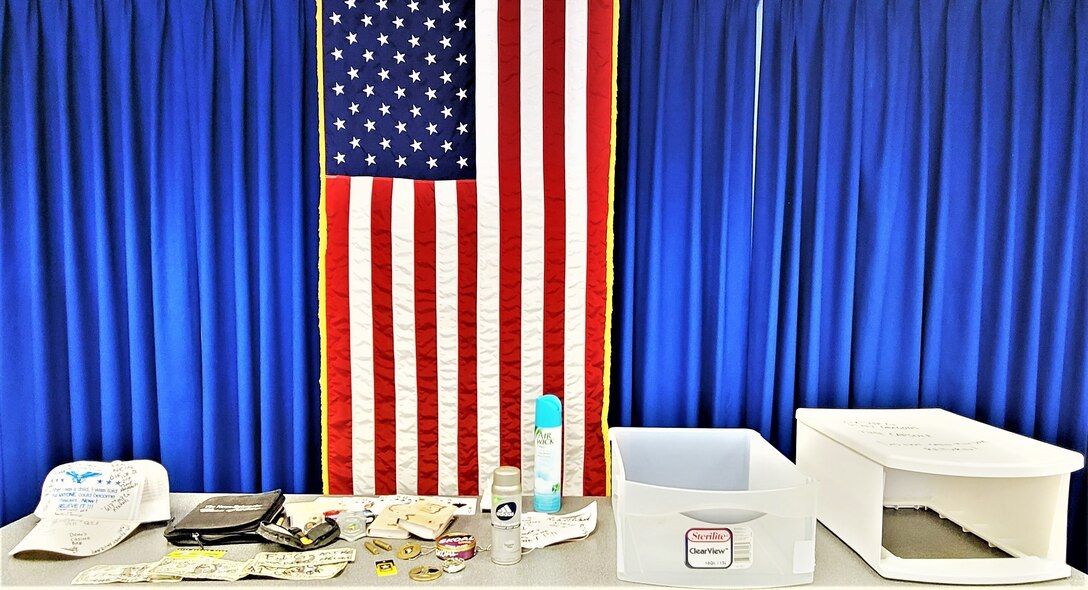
pixel 506 516
pixel 548 456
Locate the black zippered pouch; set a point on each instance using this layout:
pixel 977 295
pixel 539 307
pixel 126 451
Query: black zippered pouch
pixel 223 520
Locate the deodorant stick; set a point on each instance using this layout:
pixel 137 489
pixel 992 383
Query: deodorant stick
pixel 506 516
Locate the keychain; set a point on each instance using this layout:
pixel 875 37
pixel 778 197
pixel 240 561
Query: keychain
pixel 425 573
pixel 317 536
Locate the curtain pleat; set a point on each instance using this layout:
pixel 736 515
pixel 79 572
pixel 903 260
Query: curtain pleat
pixel 683 211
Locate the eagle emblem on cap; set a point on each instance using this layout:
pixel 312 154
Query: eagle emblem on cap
pixel 79 477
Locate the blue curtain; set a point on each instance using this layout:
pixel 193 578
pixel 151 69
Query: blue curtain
pixel 918 227
pixel 159 198
pixel 683 212
pixel 921 215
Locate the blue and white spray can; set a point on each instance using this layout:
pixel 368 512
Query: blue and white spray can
pixel 548 458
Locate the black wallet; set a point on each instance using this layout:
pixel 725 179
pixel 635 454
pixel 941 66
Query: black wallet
pixel 222 520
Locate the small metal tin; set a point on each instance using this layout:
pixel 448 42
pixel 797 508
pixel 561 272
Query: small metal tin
pixel 459 545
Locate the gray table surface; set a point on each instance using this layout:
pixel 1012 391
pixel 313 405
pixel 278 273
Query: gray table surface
pixel 589 563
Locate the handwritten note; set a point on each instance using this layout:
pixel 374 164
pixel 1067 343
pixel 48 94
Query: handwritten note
pixel 308 565
pixel 464 506
pixel 94 490
pixel 929 439
pixel 75 536
pixel 540 530
pixel 109 574
pixel 201 568
pixel 319 557
pixel 314 511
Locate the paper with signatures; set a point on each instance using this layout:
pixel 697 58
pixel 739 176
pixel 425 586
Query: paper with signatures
pixel 540 530
pixel 203 568
pixel 109 574
pixel 306 565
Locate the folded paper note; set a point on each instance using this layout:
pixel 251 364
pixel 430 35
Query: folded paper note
pixel 423 518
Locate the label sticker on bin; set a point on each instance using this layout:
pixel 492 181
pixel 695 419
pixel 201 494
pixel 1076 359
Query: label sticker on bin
pixel 718 548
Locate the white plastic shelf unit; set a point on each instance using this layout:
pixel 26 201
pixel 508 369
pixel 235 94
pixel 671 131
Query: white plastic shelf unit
pixel 1009 490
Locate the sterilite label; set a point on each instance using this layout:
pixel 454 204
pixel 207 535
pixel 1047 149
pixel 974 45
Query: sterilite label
pixel 718 548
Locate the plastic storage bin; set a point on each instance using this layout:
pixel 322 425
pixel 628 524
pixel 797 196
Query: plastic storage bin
pixel 1002 496
pixel 710 508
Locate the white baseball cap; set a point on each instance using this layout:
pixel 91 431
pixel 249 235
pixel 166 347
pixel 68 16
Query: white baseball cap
pixel 89 506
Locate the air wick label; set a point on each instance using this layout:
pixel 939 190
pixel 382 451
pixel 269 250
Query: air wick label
pixel 718 548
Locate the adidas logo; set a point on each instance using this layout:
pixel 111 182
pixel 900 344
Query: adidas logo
pixel 505 511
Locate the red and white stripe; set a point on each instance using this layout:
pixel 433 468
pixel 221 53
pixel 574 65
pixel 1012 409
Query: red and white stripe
pixel 452 305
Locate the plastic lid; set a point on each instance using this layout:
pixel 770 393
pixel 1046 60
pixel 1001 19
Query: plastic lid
pixel 931 440
pixel 549 411
pixel 507 476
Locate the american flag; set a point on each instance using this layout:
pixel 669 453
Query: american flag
pixel 468 154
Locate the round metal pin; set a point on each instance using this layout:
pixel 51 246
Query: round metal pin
pixel 409 550
pixel 453 565
pixel 425 573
